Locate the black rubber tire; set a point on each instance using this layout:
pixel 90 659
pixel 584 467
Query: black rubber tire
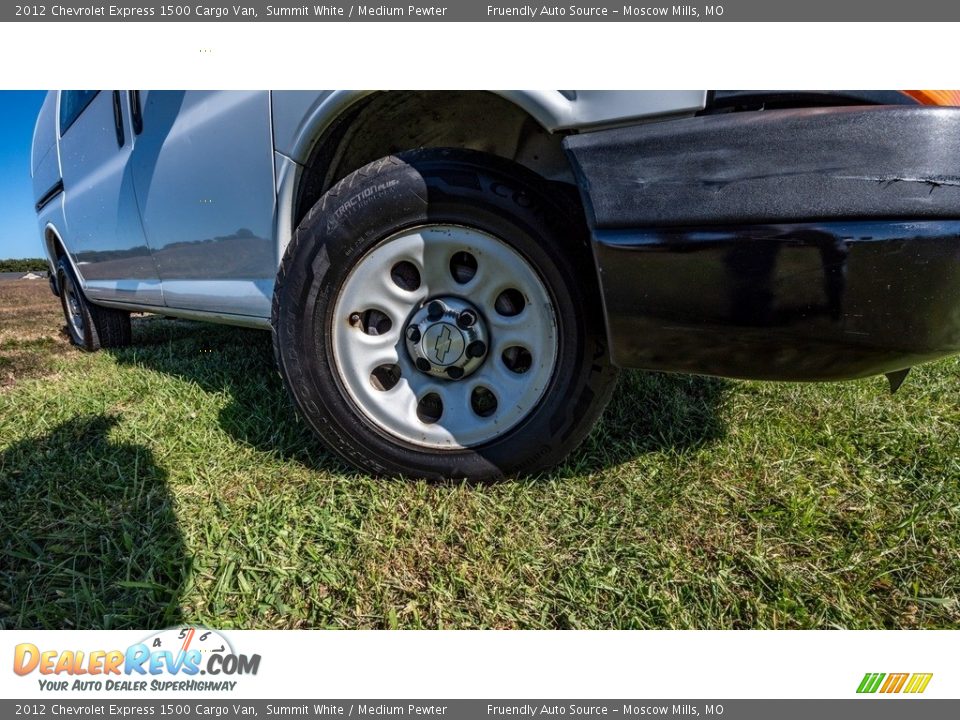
pixel 99 327
pixel 441 186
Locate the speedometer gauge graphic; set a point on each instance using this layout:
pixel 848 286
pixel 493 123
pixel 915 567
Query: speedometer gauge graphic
pixel 177 640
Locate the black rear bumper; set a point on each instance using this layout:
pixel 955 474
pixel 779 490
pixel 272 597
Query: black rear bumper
pixel 773 245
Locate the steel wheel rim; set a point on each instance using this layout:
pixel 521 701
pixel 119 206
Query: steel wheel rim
pixel 360 351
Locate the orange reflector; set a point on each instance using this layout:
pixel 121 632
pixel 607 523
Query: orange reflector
pixel 935 97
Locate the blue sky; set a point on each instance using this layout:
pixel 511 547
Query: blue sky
pixel 19 233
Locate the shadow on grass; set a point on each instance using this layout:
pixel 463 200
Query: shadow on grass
pixel 239 363
pixel 653 412
pixel 88 536
pixel 650 412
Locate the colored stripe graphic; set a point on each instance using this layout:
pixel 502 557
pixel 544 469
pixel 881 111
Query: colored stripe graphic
pixel 918 682
pixel 894 683
pixel 870 683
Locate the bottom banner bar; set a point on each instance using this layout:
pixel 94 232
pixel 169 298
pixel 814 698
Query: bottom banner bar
pixel 876 708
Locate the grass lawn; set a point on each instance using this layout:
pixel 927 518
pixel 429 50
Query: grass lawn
pixel 172 483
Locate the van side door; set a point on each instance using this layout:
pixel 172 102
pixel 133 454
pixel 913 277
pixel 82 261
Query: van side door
pixel 103 230
pixel 203 172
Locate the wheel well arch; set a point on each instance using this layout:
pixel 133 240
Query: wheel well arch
pixel 384 123
pixel 56 250
pixel 53 243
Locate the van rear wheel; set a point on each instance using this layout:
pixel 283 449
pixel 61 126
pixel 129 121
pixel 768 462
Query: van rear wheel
pixel 89 326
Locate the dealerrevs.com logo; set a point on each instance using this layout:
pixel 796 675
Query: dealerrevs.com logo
pixel 910 683
pixel 170 660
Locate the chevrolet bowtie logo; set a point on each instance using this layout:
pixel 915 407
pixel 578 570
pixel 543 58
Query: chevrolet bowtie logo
pixel 442 346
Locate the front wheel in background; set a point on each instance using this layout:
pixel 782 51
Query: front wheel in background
pixel 436 315
pixel 89 326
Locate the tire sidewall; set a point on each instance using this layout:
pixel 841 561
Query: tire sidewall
pixel 68 283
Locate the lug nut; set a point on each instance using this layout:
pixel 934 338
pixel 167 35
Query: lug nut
pixel 435 310
pixel 466 319
pixel 413 334
pixel 455 372
pixel 476 349
pixel 424 365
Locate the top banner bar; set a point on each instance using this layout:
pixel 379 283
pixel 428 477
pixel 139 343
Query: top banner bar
pixel 485 11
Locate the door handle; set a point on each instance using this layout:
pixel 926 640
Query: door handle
pixel 136 112
pixel 118 118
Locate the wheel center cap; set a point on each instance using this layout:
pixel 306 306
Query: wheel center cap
pixel 447 338
pixel 443 343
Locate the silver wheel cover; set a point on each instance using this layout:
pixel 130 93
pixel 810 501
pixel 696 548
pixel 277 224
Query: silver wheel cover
pixel 531 332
